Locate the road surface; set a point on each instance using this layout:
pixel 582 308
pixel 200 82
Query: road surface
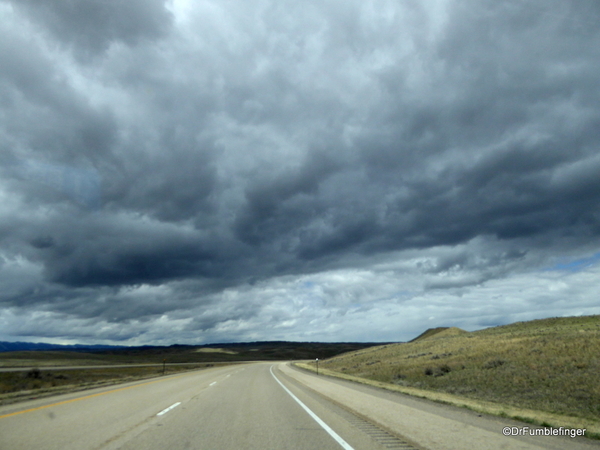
pixel 254 406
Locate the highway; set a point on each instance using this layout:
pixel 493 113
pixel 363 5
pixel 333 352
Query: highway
pixel 254 406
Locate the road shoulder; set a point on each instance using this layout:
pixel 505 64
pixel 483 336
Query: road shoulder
pixel 435 426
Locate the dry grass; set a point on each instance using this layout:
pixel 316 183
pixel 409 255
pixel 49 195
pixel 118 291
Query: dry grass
pixel 548 366
pixel 54 358
pixel 216 350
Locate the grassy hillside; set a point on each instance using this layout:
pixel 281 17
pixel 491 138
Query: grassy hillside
pixel 550 365
pixel 438 332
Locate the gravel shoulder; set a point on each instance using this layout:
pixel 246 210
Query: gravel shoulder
pixel 427 424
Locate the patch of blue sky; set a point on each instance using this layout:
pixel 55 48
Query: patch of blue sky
pixel 403 295
pixel 359 307
pixel 82 185
pixel 576 265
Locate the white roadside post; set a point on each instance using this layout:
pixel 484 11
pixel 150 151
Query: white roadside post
pixel 317 365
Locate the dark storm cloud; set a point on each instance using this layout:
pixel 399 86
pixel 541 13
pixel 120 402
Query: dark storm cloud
pixel 173 184
pixel 123 251
pixel 189 163
pixel 45 118
pixel 90 26
pixel 275 206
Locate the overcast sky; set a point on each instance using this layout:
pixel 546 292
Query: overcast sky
pixel 218 171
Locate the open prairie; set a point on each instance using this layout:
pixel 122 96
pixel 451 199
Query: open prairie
pixel 548 365
pixel 40 375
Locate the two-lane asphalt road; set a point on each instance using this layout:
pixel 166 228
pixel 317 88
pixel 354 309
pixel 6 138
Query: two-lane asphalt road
pixel 234 407
pixel 255 406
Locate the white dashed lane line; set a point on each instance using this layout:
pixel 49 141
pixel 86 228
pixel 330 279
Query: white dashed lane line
pixel 164 411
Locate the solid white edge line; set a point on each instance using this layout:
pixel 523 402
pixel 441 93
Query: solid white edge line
pixel 332 433
pixel 166 410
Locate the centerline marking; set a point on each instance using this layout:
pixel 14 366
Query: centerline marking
pixel 317 419
pixel 166 410
pixel 214 382
pixel 85 397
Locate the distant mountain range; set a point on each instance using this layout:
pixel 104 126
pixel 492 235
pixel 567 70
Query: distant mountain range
pixel 30 346
pixel 263 350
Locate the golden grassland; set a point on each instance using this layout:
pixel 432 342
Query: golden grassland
pixel 53 358
pixel 544 371
pixel 215 350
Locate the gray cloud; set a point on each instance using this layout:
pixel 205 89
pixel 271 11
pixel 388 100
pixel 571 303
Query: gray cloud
pixel 263 170
pixel 89 27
